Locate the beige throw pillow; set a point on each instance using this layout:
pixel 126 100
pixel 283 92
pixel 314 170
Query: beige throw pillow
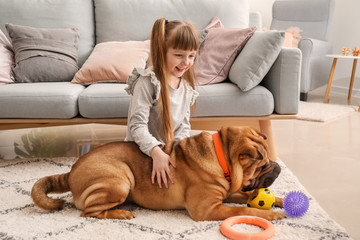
pixel 113 62
pixel 292 37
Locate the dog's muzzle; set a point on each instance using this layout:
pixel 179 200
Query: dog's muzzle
pixel 269 173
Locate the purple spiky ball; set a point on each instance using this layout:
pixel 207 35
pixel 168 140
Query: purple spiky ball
pixel 295 204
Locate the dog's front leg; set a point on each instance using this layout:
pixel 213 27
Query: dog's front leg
pixel 242 197
pixel 221 212
pixel 208 206
pixel 238 197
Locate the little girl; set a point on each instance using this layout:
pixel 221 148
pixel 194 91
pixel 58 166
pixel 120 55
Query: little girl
pixel 162 95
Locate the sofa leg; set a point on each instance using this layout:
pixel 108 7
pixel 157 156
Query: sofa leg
pixel 265 128
pixel 303 96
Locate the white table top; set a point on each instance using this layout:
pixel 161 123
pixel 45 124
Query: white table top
pixel 342 56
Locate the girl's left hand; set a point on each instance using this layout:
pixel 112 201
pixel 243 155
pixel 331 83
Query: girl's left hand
pixel 161 167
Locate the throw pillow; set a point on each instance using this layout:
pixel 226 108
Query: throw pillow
pixel 113 62
pixel 217 51
pixel 6 59
pixel 255 60
pixel 292 36
pixel 44 54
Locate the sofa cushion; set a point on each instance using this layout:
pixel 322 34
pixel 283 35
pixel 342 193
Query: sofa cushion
pixel 53 14
pixel 39 100
pixel 218 49
pixel 44 54
pixel 104 100
pixel 113 62
pixel 110 100
pixel 6 59
pixel 256 58
pixel 129 26
pixel 226 99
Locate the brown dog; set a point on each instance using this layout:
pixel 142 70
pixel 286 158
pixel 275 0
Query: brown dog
pixel 110 174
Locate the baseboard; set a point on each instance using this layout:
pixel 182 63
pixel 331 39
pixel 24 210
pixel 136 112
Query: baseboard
pixel 345 90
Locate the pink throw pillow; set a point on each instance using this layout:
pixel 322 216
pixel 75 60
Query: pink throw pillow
pixel 6 59
pixel 218 51
pixel 113 62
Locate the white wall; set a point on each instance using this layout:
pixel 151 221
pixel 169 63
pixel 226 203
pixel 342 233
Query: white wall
pixel 344 32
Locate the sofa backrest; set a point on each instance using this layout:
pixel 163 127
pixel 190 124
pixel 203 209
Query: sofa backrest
pixel 53 14
pixel 124 20
pixel 118 20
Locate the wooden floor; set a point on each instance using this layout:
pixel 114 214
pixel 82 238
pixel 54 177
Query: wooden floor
pixel 326 159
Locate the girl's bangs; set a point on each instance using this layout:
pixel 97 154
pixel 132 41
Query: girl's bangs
pixel 185 39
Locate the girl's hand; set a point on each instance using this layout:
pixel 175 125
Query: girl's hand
pixel 161 166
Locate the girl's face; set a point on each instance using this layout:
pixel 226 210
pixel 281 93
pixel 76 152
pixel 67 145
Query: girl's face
pixel 179 61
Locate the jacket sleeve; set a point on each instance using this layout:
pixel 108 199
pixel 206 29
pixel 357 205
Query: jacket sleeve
pixel 143 97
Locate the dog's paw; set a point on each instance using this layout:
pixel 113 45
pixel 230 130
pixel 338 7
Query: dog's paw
pixel 120 214
pixel 111 214
pixel 275 216
pixel 278 202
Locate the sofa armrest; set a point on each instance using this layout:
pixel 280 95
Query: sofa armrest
pixel 310 46
pixel 315 64
pixel 283 81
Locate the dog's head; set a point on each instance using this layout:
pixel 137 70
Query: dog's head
pixel 250 167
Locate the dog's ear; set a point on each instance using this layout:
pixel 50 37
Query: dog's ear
pixel 245 142
pixel 260 139
pixel 262 152
pixel 257 133
pixel 254 151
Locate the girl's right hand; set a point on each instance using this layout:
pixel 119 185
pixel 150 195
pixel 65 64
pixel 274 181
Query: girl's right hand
pixel 161 166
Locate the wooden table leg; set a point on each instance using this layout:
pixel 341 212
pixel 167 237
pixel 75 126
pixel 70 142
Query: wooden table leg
pixel 352 79
pixel 330 81
pixel 266 129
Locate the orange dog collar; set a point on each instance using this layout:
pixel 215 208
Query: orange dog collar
pixel 221 156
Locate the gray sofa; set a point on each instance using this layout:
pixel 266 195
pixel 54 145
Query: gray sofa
pixel 64 103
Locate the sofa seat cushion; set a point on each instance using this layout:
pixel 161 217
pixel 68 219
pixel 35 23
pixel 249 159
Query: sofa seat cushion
pixel 104 100
pixel 226 99
pixel 110 100
pixel 39 100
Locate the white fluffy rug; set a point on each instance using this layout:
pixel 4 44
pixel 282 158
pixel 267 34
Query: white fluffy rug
pixel 20 219
pixel 320 112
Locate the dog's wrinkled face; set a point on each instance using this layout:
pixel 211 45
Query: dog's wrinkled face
pixel 263 176
pixel 251 151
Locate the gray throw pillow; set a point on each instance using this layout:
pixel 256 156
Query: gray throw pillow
pixel 256 59
pixel 44 54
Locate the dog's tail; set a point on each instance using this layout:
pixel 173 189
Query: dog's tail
pixel 51 184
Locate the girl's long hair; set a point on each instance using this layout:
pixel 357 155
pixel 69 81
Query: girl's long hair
pixel 178 35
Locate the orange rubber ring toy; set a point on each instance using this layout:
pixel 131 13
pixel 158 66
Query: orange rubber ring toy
pixel 269 229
